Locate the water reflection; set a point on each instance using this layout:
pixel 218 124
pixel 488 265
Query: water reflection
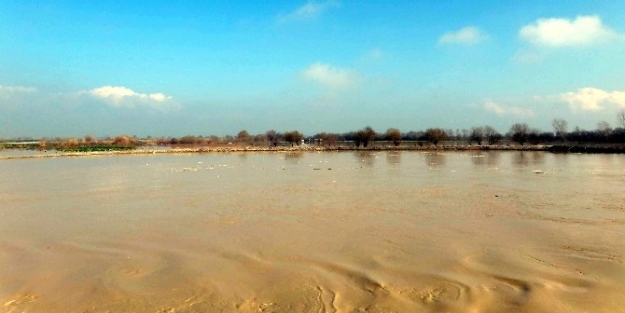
pixel 524 158
pixel 293 157
pixel 489 158
pixel 366 158
pixel 538 158
pixel 561 158
pixel 393 157
pixel 607 158
pixel 435 159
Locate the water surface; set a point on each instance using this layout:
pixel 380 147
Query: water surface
pixel 314 232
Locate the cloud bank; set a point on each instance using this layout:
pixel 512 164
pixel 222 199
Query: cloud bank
pixel 560 32
pixel 466 35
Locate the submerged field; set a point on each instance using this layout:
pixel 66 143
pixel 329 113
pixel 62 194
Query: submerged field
pixel 394 231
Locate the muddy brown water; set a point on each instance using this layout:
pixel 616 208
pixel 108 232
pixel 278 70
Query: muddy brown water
pixel 314 232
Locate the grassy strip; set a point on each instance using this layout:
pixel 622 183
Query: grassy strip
pixel 95 148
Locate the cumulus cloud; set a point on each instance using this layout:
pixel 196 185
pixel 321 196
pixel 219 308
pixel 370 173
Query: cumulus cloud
pixel 119 96
pixel 592 99
pixel 329 76
pixel 560 32
pixel 492 106
pixel 310 10
pixel 466 35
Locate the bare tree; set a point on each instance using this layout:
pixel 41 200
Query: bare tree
pixel 244 136
pixel 394 135
pixel 491 135
pixel 364 136
pixel 621 118
pixel 260 138
pixel 330 140
pixel 123 140
pixel 435 135
pixel 458 135
pixel 519 132
pixel 477 135
pixel 450 134
pixel 89 140
pixel 273 137
pixel 326 139
pixel 293 137
pixel 604 128
pixel 560 127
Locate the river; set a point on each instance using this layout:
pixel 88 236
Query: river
pixel 314 232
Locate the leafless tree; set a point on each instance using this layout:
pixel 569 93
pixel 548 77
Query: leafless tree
pixel 273 137
pixel 394 135
pixel 89 140
pixel 519 132
pixel 244 136
pixel 123 140
pixel 560 127
pixel 259 139
pixel 621 118
pixel 293 137
pixel 491 135
pixel 435 135
pixel 365 136
pixel 327 139
pixel 604 128
pixel 477 135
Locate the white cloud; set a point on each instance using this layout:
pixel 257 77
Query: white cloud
pixel 492 106
pixel 119 96
pixel 558 32
pixel 330 77
pixel 466 35
pixel 592 99
pixel 310 10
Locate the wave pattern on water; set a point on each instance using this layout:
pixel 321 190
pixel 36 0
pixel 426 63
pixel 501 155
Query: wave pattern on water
pixel 316 232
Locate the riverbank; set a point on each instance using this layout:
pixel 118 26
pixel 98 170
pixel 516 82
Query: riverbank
pixel 229 149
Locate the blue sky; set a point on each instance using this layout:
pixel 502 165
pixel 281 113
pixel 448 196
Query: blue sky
pixel 71 68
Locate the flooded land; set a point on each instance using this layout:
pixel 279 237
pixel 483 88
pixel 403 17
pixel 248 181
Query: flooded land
pixel 394 231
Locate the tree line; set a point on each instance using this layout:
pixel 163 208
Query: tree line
pixel 519 133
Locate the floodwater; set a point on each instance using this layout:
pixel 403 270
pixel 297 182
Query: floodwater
pixel 314 232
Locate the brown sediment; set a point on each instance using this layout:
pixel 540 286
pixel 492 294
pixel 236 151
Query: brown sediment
pixel 267 233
